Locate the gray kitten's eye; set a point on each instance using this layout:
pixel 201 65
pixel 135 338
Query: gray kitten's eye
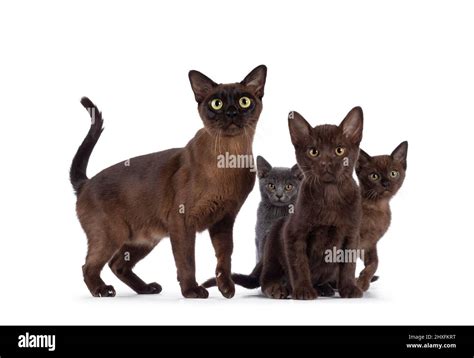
pixel 374 176
pixel 271 186
pixel 394 174
pixel 288 187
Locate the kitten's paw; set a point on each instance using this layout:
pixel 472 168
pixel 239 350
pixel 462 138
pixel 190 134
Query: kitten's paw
pixel 350 292
pixel 150 289
pixel 304 293
pixel 276 290
pixel 227 287
pixel 363 284
pixel 325 290
pixel 104 291
pixel 195 292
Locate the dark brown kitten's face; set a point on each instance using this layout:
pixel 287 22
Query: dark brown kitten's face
pixel 382 176
pixel 229 109
pixel 327 153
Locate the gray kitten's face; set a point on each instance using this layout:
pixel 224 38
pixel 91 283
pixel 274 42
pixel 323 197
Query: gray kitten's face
pixel 278 186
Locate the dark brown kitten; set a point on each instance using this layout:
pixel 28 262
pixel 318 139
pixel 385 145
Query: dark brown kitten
pixel 327 214
pixel 380 178
pixel 126 209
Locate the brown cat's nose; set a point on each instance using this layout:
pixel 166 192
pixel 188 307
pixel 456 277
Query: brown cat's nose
pixel 385 183
pixel 231 112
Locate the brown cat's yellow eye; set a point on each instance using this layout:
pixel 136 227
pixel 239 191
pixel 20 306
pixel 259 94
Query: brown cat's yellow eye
pixel 340 151
pixel 271 186
pixel 245 102
pixel 313 152
pixel 394 174
pixel 216 104
pixel 288 187
pixel 374 176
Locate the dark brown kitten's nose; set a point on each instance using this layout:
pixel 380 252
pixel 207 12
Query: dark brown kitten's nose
pixel 385 183
pixel 231 112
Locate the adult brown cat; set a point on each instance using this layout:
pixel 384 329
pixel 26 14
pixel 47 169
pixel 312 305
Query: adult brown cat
pixel 125 210
pixel 327 214
pixel 380 178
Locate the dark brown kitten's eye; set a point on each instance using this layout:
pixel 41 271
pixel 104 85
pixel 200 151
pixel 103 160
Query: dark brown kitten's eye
pixel 288 187
pixel 245 102
pixel 216 104
pixel 271 186
pixel 374 176
pixel 340 151
pixel 313 152
pixel 394 174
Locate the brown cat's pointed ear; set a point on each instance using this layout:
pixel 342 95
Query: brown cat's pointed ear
pixel 300 129
pixel 353 124
pixel 263 167
pixel 256 80
pixel 201 85
pixel 400 153
pixel 296 172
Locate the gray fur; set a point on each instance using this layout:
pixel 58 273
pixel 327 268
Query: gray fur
pixel 277 202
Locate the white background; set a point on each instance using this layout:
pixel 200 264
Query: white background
pixel 409 64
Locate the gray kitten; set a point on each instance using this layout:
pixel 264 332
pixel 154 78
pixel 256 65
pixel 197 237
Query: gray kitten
pixel 279 190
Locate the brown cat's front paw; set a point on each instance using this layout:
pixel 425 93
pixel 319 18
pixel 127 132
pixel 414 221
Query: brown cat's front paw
pixel 363 284
pixel 304 293
pixel 276 290
pixel 104 291
pixel 227 287
pixel 350 292
pixel 150 289
pixel 195 292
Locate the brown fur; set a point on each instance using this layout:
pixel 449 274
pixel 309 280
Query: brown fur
pixel 376 195
pixel 327 215
pixel 126 210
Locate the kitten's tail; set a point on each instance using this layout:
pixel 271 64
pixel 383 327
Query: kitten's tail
pixel 77 174
pixel 247 281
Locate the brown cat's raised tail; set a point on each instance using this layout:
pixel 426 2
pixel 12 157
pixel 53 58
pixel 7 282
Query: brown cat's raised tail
pixel 247 281
pixel 77 174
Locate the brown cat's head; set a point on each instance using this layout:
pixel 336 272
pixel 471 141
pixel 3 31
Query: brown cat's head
pixel 381 176
pixel 327 153
pixel 229 109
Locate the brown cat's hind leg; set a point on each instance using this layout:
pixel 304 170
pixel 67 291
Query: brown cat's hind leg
pixel 123 262
pixel 371 262
pixel 325 290
pixel 99 253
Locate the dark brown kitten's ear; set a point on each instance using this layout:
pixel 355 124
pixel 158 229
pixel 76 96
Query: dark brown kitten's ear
pixel 363 160
pixel 400 153
pixel 263 167
pixel 364 157
pixel 201 85
pixel 300 129
pixel 296 172
pixel 353 124
pixel 256 80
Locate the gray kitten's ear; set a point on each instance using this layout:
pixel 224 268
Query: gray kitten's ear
pixel 400 153
pixel 201 85
pixel 263 167
pixel 300 129
pixel 352 125
pixel 296 172
pixel 256 80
